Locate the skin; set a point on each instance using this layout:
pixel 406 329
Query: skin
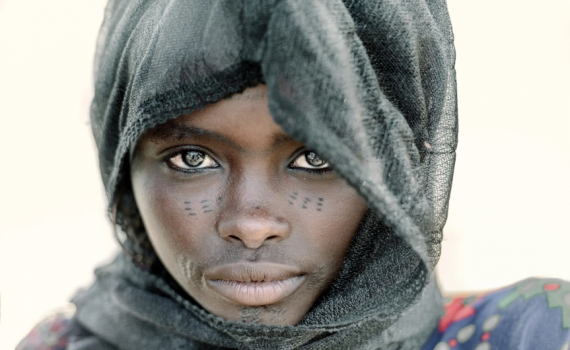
pixel 253 199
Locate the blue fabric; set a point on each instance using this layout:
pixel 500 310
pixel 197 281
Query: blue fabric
pixel 532 315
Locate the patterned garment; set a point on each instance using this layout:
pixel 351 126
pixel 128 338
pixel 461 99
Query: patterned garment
pixel 532 315
pixel 51 333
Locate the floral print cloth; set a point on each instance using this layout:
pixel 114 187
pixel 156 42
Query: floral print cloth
pixel 51 333
pixel 532 315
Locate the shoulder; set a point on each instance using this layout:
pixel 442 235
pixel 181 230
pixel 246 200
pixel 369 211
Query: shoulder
pixel 532 314
pixel 52 333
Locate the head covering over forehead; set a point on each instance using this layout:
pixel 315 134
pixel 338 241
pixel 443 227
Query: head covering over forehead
pixel 369 85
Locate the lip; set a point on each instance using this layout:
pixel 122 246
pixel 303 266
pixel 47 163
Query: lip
pixel 254 284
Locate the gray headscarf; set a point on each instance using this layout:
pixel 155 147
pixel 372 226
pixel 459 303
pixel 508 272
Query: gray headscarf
pixel 369 85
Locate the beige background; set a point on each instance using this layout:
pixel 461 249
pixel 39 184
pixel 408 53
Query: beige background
pixel 511 191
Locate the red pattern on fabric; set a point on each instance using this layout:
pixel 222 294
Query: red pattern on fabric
pixel 50 334
pixel 455 311
pixel 551 286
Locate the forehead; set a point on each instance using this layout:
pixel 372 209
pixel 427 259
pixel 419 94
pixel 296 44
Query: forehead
pixel 242 120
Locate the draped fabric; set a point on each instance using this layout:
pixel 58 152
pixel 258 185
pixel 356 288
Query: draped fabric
pixel 369 85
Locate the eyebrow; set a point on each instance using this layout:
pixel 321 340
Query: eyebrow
pixel 280 139
pixel 180 132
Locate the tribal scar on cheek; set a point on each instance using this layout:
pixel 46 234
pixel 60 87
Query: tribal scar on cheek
pixel 189 208
pixel 306 202
pixel 204 205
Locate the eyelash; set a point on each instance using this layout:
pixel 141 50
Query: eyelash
pixel 167 159
pixel 316 171
pixel 320 172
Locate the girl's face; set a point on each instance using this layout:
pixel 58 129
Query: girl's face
pixel 248 221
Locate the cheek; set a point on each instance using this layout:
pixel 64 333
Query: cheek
pixel 330 219
pixel 178 217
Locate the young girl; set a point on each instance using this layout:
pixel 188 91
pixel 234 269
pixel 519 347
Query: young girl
pixel 279 172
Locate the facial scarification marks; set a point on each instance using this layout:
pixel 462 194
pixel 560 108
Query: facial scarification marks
pixel 250 314
pixel 277 314
pixel 306 202
pixel 189 209
pixel 189 269
pixel 320 204
pixel 206 207
pixel 185 266
pixel 292 198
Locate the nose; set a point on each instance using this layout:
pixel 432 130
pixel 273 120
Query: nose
pixel 253 230
pixel 252 212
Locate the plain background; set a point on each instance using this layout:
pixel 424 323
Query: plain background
pixel 511 191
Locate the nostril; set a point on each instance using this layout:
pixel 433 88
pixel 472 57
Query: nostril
pixel 253 231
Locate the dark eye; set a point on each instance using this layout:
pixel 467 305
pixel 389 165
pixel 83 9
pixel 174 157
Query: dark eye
pixel 189 160
pixel 309 160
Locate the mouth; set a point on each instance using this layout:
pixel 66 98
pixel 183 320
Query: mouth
pixel 254 284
